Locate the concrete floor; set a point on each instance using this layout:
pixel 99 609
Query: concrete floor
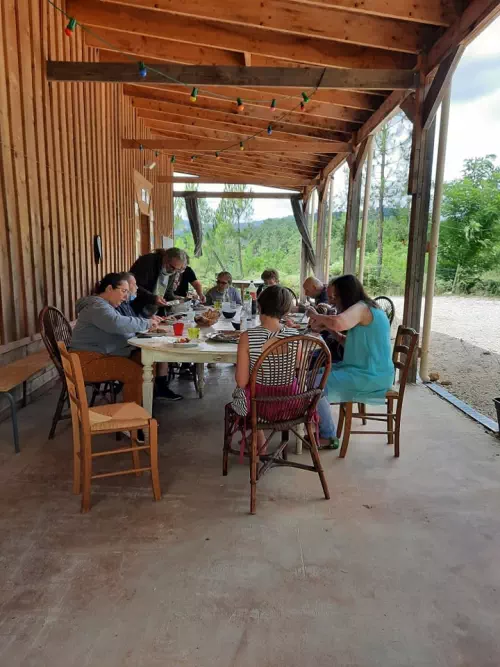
pixel 400 568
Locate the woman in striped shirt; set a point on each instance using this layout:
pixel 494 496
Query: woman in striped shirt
pixel 274 303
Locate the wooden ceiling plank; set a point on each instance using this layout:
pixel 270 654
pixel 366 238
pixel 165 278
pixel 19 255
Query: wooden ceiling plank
pixel 221 194
pixel 251 145
pixel 217 175
pixel 204 180
pixel 432 12
pixel 253 116
pixel 286 16
pixel 311 50
pixel 240 170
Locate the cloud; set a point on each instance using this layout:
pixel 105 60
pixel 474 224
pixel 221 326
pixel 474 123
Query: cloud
pixel 476 77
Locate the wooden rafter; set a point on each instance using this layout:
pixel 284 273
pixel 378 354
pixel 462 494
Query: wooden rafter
pixel 255 116
pixel 257 98
pixel 210 167
pixel 309 50
pixel 164 120
pixel 285 16
pixel 205 180
pixel 231 195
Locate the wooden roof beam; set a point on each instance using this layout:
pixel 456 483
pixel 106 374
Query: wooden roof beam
pixel 231 195
pixel 307 78
pixel 208 166
pixel 310 50
pixel 286 16
pixel 251 146
pixel 216 180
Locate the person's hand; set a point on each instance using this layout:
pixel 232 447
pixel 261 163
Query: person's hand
pixel 155 321
pixel 202 298
pixel 160 301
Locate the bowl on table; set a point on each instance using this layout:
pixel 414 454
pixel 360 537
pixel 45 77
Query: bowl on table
pixel 229 315
pixel 236 325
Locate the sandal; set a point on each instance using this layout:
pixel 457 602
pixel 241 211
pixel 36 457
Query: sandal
pixel 333 443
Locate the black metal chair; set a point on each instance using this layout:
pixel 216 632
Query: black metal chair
pixel 55 328
pixel 387 305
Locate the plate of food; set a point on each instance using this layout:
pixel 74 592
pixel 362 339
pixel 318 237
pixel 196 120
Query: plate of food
pixel 225 337
pixel 154 334
pixel 185 343
pixel 208 318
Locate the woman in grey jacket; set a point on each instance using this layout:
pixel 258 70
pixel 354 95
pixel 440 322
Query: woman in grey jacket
pixel 101 334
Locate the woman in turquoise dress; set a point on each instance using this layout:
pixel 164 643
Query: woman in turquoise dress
pixel 366 372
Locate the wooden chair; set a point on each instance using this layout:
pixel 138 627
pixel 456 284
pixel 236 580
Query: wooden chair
pixel 55 328
pixel 308 364
pixel 111 418
pixel 387 305
pixel 404 349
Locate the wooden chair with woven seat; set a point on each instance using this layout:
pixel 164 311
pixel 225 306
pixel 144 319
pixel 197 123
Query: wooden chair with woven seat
pixel 111 418
pixel 405 346
pixel 308 364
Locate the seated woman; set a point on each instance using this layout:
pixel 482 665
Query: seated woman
pixel 100 338
pixel 274 303
pixel 366 372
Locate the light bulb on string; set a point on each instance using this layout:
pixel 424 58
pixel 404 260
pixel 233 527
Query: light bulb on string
pixel 305 98
pixel 193 158
pixel 269 129
pixel 273 105
pixel 240 106
pixel 194 95
pixel 217 155
pixel 70 28
pixel 302 106
pixel 141 147
pixel 143 72
pixel 172 159
pixel 242 146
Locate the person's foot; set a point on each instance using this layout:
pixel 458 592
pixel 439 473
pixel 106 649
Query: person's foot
pixel 166 394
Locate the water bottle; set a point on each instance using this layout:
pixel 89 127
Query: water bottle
pixel 253 295
pixel 247 306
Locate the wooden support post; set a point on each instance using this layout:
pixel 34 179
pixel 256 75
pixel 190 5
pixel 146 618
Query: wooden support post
pixel 353 205
pixel 320 237
pixel 366 209
pixel 304 264
pixel 434 239
pixel 329 229
pixel 420 189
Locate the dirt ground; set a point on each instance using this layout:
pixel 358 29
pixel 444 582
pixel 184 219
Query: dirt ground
pixel 465 348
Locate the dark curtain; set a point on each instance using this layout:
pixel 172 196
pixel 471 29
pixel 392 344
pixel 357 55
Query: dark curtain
pixel 301 222
pixel 194 222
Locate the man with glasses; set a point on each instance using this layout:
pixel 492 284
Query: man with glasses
pixel 223 290
pixel 157 275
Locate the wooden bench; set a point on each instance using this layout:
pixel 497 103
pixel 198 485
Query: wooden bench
pixel 16 373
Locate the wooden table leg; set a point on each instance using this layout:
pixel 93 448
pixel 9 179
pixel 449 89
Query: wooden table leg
pixel 200 379
pixel 147 382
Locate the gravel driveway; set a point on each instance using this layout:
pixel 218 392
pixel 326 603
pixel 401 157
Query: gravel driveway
pixel 465 348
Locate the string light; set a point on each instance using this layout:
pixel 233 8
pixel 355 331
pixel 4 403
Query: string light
pixel 193 158
pixel 269 129
pixel 240 105
pixel 143 72
pixel 305 98
pixel 242 146
pixel 217 155
pixel 70 28
pixel 172 159
pixel 273 105
pixel 157 153
pixel 141 147
pixel 194 95
pixel 302 106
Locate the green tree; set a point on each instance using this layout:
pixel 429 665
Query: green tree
pixel 471 222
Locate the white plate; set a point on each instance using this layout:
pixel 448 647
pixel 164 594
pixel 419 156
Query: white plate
pixel 185 345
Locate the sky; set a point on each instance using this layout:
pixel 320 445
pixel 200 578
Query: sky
pixel 474 129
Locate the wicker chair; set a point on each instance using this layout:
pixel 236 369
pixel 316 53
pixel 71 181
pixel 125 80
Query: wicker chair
pixel 387 305
pixel 54 329
pixel 404 348
pixel 281 412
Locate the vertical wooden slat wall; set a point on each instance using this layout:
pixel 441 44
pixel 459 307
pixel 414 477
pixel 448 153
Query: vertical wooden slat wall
pixel 63 175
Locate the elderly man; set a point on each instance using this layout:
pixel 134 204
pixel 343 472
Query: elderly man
pixel 315 289
pixel 222 289
pixel 157 275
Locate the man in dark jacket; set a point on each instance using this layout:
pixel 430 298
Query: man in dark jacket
pixel 157 274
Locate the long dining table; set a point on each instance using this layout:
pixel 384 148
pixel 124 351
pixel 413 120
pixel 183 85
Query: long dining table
pixel 160 349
